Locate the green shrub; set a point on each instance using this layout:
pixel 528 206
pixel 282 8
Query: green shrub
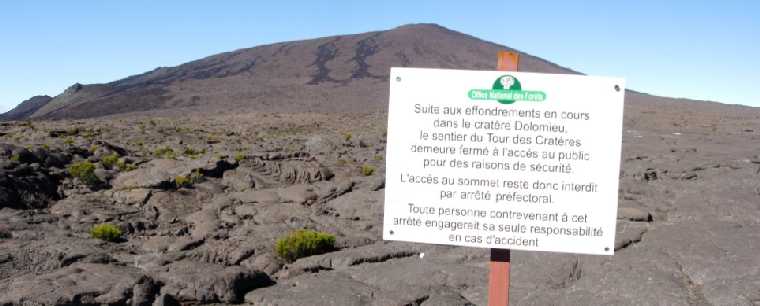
pixel 302 243
pixel 165 152
pixel 105 231
pixel 239 157
pixel 16 157
pixel 347 136
pixel 89 134
pixel 192 153
pixel 188 180
pixel 68 141
pixel 121 164
pixel 378 157
pixel 196 176
pixel 85 171
pixel 182 181
pixel 124 166
pixel 368 170
pixel 110 160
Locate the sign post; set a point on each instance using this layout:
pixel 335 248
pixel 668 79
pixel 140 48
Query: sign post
pixel 504 160
pixel 498 276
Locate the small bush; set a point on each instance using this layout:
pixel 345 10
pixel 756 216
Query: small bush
pixel 165 152
pixel 85 171
pixel 121 164
pixel 192 153
pixel 89 134
pixel 302 243
pixel 368 170
pixel 196 176
pixel 347 136
pixel 239 157
pixel 16 157
pixel 110 160
pixel 378 157
pixel 68 141
pixel 182 181
pixel 106 232
pixel 188 180
pixel 124 166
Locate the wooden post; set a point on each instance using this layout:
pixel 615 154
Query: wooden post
pixel 498 278
pixel 508 61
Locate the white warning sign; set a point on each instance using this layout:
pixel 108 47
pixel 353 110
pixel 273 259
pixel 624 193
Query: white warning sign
pixel 499 159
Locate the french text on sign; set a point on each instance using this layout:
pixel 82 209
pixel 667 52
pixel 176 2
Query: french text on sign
pixel 497 159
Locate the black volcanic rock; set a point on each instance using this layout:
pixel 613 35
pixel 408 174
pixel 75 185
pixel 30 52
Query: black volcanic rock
pixel 212 240
pixel 24 183
pixel 81 284
pixel 26 108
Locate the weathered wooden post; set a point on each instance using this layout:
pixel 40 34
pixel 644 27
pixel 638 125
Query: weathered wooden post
pixel 498 278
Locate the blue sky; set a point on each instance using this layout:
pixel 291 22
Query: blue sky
pixel 696 49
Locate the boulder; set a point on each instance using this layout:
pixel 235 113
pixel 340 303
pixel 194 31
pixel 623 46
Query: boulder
pixel 629 233
pixel 299 194
pixel 25 156
pixel 293 171
pixel 82 211
pixel 57 159
pixel 82 283
pixel 378 252
pixel 111 147
pixel 634 214
pixel 138 196
pixel 197 282
pixel 319 145
pixel 239 179
pixel 257 196
pixel 160 173
pixel 23 187
pixel 324 289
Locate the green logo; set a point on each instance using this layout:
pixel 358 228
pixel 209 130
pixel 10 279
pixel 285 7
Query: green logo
pixel 506 90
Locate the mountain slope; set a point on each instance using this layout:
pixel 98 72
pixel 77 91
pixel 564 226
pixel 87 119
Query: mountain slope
pixel 346 73
pixel 26 108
